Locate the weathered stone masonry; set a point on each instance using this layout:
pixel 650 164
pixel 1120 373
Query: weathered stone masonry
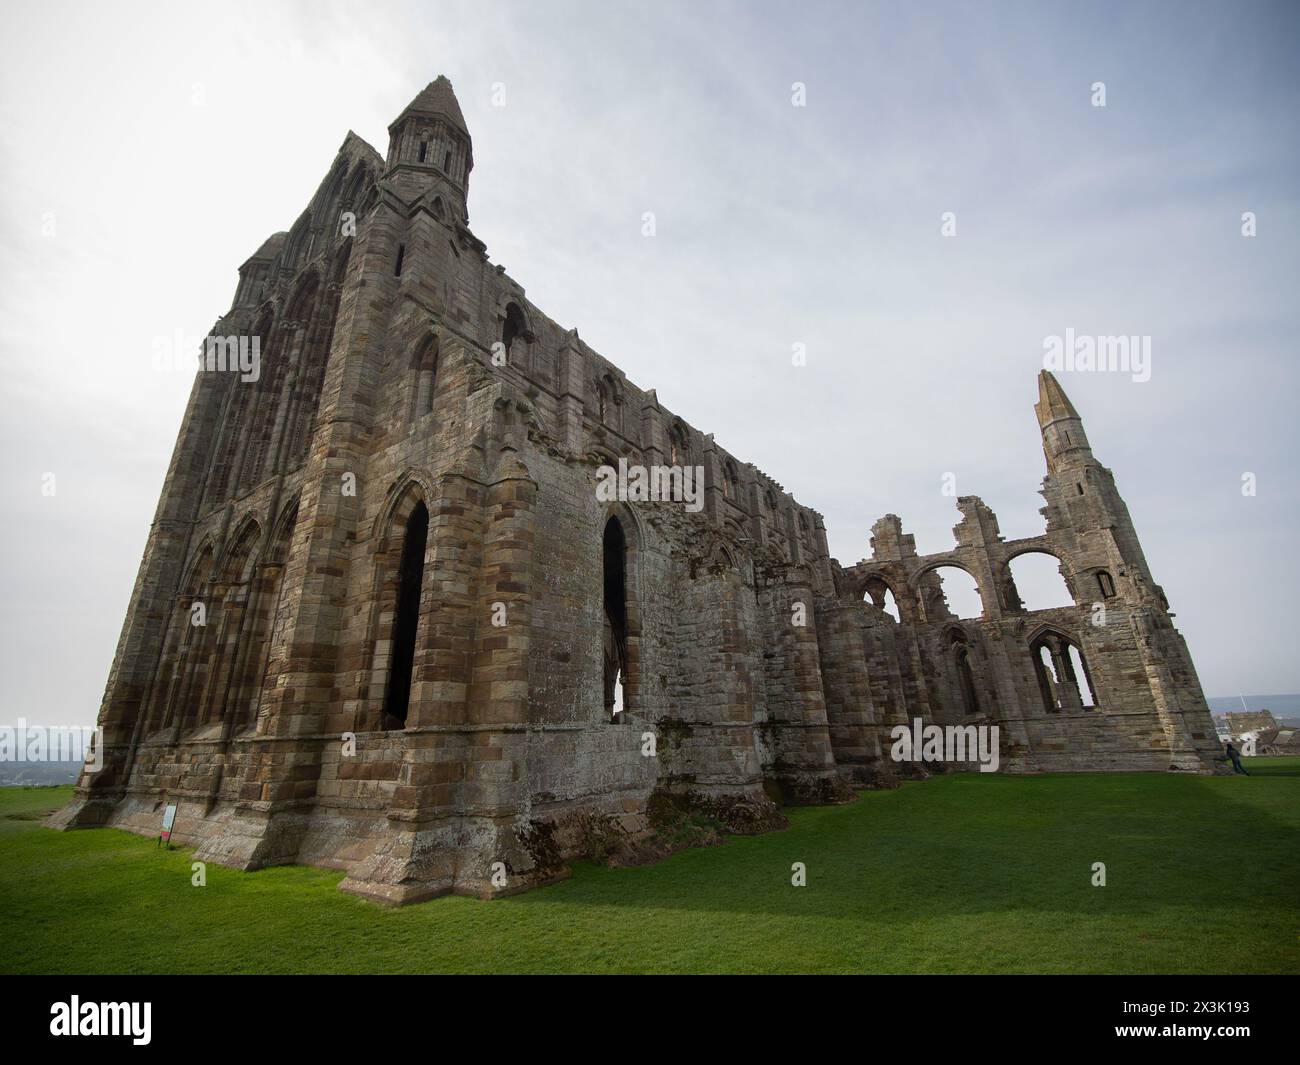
pixel 419 615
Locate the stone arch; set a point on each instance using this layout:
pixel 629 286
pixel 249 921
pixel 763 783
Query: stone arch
pixel 266 627
pixel 277 544
pixel 338 271
pixel 720 559
pixel 877 589
pixel 514 326
pixel 621 636
pixel 407 611
pixel 397 536
pixel 182 645
pixel 302 296
pixel 295 245
pixel 359 191
pixel 609 402
pixel 959 653
pixel 222 646
pixel 417 482
pixel 199 570
pixel 679 444
pixel 240 547
pixel 312 358
pixel 263 325
pixel 424 376
pixel 927 589
pixel 730 480
pixel 328 205
pixel 229 453
pixel 273 405
pixel 1060 667
pixel 1043 587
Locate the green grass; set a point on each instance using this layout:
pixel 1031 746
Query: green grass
pixel 960 874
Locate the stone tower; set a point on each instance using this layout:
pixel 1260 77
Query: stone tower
pixel 1081 492
pixel 386 621
pixel 1084 503
pixel 430 153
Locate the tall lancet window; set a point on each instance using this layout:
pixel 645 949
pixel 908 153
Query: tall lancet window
pixel 406 622
pixel 615 620
pixel 425 366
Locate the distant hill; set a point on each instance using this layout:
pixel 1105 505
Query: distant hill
pixel 22 773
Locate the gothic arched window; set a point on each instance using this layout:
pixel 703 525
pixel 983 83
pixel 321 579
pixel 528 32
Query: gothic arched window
pixel 678 448
pixel 513 327
pixel 614 642
pixel 406 621
pixel 424 366
pixel 1063 676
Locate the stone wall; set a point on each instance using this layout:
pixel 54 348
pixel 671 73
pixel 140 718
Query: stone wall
pixel 405 375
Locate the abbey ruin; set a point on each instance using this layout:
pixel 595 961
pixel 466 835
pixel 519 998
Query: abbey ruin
pixel 385 622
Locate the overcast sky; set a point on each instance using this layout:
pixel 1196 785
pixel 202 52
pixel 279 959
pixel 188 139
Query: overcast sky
pixel 146 151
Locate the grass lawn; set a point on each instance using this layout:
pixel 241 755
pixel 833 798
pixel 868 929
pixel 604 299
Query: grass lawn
pixel 968 873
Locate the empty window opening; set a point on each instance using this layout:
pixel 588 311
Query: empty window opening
pixel 615 618
pixel 1063 675
pixel 1047 678
pixel 446 163
pixel 406 621
pixel 879 594
pixel 678 453
pixel 950 592
pixel 514 326
pixel 729 479
pixel 424 149
pixel 1081 679
pixel 397 266
pixel 1037 581
pixel 966 679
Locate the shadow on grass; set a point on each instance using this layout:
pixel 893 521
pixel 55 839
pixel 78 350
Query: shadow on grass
pixel 980 844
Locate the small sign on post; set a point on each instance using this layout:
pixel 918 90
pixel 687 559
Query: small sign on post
pixel 169 819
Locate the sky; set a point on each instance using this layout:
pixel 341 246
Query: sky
pixel 147 150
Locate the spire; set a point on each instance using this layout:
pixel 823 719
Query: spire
pixel 437 98
pixel 430 153
pixel 1065 444
pixel 1053 404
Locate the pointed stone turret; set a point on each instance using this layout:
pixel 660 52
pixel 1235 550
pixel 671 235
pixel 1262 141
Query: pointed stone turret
pixel 1052 403
pixel 1065 444
pixel 430 153
pixel 437 98
pixel 255 274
